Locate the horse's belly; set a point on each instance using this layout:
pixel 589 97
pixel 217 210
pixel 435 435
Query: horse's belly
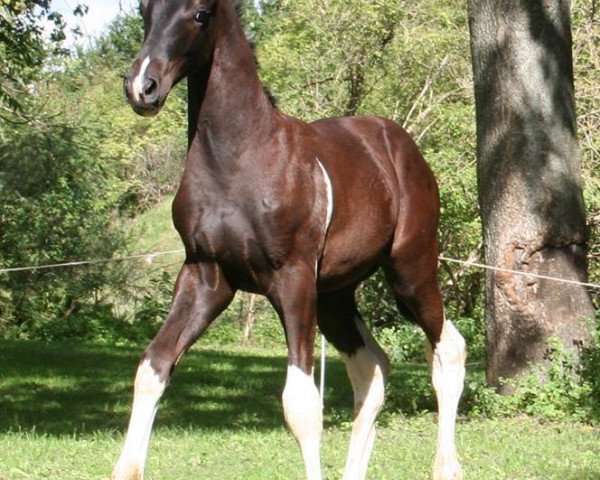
pixel 350 257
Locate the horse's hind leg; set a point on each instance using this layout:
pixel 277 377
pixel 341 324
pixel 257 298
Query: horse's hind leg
pixel 200 295
pixel 367 367
pixel 415 285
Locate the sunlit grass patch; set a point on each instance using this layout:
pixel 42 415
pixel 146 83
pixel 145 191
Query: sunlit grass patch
pixel 64 408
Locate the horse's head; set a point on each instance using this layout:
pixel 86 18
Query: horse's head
pixel 179 35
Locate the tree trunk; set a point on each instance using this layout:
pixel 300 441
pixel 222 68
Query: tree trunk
pixel 530 193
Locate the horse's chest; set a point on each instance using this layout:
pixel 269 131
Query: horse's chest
pixel 242 239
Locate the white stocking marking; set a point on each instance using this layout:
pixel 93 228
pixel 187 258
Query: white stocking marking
pixel 138 82
pixel 304 416
pixel 448 375
pixel 368 369
pixel 148 390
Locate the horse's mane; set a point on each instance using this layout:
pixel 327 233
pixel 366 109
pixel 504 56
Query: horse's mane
pixel 240 7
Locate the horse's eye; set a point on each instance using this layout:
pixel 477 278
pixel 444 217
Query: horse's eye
pixel 202 17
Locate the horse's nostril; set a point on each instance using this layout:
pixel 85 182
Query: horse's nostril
pixel 149 87
pixel 126 89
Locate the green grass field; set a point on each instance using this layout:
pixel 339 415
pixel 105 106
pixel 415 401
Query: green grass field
pixel 63 410
pixel 153 230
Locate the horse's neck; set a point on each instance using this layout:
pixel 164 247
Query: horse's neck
pixel 229 110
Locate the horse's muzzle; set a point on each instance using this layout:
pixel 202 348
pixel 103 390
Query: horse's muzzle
pixel 143 95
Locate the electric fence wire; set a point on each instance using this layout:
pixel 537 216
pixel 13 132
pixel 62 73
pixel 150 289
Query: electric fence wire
pixel 149 257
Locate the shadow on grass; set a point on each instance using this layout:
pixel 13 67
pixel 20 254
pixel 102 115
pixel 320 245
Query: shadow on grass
pixel 60 389
pixel 581 474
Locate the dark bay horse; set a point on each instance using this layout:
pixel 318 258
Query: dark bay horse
pixel 301 213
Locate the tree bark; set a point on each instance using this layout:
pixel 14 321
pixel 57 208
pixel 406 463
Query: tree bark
pixel 530 193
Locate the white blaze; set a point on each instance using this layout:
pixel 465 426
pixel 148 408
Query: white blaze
pixel 138 82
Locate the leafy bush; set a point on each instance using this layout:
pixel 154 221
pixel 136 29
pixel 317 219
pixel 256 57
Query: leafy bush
pixel 58 202
pixel 473 331
pixel 75 165
pixel 557 390
pixel 590 369
pixel 402 342
pixel 376 302
pixel 153 307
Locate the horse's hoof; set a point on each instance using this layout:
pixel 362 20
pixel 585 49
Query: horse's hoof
pixel 129 471
pixel 447 471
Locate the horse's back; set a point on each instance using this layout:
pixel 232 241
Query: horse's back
pixel 380 140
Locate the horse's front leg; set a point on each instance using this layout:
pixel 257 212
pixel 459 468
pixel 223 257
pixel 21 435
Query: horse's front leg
pixel 294 298
pixel 201 293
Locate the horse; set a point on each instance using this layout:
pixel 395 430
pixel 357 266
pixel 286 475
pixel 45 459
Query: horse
pixel 299 212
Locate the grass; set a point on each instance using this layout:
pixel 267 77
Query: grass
pixel 153 231
pixel 63 409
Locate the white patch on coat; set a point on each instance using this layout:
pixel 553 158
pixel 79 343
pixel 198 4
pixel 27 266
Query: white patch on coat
pixel 137 84
pixel 329 194
pixel 148 390
pixel 304 417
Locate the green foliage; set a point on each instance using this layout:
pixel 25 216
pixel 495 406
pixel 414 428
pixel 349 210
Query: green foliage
pixel 72 172
pixel 58 211
pixel 473 331
pixel 148 153
pixel 121 43
pixel 586 65
pixel 402 342
pixel 559 389
pixel 22 46
pixel 590 369
pixel 154 305
pixel 267 331
pixel 400 337
pixel 405 341
pixel 376 301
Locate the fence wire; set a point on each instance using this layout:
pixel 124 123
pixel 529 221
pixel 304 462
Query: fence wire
pixel 149 257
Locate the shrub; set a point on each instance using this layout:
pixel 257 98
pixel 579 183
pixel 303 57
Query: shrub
pixel 560 389
pixel 58 199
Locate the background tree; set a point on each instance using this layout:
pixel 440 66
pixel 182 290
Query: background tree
pixel 529 178
pixel 23 47
pixel 75 167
